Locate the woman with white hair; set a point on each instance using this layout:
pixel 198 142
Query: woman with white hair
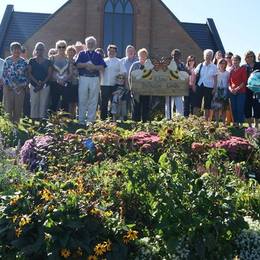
pixel 40 71
pixel 206 74
pixel 90 64
pixel 15 81
pixel 141 104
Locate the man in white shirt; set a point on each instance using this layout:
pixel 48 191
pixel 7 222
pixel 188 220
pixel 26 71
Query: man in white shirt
pixel 206 84
pixel 1 78
pixel 108 78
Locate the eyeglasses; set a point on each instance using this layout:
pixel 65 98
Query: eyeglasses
pixel 61 47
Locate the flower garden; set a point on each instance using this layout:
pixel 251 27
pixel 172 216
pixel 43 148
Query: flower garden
pixel 180 189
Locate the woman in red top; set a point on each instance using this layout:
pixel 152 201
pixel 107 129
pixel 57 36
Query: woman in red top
pixel 237 88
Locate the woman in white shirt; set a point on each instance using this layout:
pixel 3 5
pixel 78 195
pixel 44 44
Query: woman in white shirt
pixel 206 83
pixel 220 99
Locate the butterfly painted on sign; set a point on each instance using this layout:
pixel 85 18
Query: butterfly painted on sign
pixel 161 64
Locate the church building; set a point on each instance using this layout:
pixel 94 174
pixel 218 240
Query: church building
pixel 142 23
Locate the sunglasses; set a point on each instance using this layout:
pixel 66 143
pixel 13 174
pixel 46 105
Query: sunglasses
pixel 61 47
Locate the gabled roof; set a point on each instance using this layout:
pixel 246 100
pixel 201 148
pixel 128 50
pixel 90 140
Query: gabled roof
pixel 204 35
pixel 19 26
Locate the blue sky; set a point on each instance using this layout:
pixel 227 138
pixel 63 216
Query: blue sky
pixel 238 22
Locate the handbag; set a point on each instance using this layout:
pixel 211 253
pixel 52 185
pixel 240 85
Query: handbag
pixel 198 75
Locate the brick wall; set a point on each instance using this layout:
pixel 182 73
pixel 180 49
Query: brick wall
pixel 154 28
pixel 67 24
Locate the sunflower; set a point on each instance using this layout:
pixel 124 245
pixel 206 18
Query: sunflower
pixel 46 195
pixel 107 245
pixel 125 239
pixel 132 234
pixel 99 249
pixel 24 220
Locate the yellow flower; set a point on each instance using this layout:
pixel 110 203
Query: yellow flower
pixel 65 253
pixel 46 195
pixel 51 207
pixel 99 249
pixel 72 192
pixel 79 251
pixel 90 194
pixel 24 220
pixel 107 245
pixel 92 257
pixel 14 200
pixel 80 186
pixel 18 232
pixel 125 239
pixel 15 217
pixel 95 211
pixel 108 213
pixel 132 234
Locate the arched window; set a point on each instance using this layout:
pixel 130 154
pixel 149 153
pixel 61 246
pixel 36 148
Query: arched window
pixel 118 24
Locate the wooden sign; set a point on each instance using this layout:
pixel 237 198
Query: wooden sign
pixel 165 81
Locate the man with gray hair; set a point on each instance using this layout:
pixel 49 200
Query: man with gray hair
pixel 206 73
pixel 90 64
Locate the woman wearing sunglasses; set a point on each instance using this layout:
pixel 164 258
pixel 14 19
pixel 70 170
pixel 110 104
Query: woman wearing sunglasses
pixel 62 73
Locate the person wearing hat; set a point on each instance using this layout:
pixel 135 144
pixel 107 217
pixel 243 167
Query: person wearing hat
pixel 178 101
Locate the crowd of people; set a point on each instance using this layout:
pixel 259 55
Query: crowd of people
pixel 79 79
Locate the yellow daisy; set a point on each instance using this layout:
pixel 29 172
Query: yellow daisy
pixel 99 249
pixel 132 234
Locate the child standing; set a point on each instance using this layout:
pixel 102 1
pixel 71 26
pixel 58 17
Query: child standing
pixel 220 99
pixel 119 101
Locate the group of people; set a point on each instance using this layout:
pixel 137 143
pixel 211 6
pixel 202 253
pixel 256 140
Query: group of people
pixel 80 78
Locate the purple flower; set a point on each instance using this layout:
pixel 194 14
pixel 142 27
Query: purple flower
pixel 28 152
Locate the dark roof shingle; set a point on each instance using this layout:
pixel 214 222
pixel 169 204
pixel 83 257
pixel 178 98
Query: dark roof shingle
pixel 22 26
pixel 201 34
